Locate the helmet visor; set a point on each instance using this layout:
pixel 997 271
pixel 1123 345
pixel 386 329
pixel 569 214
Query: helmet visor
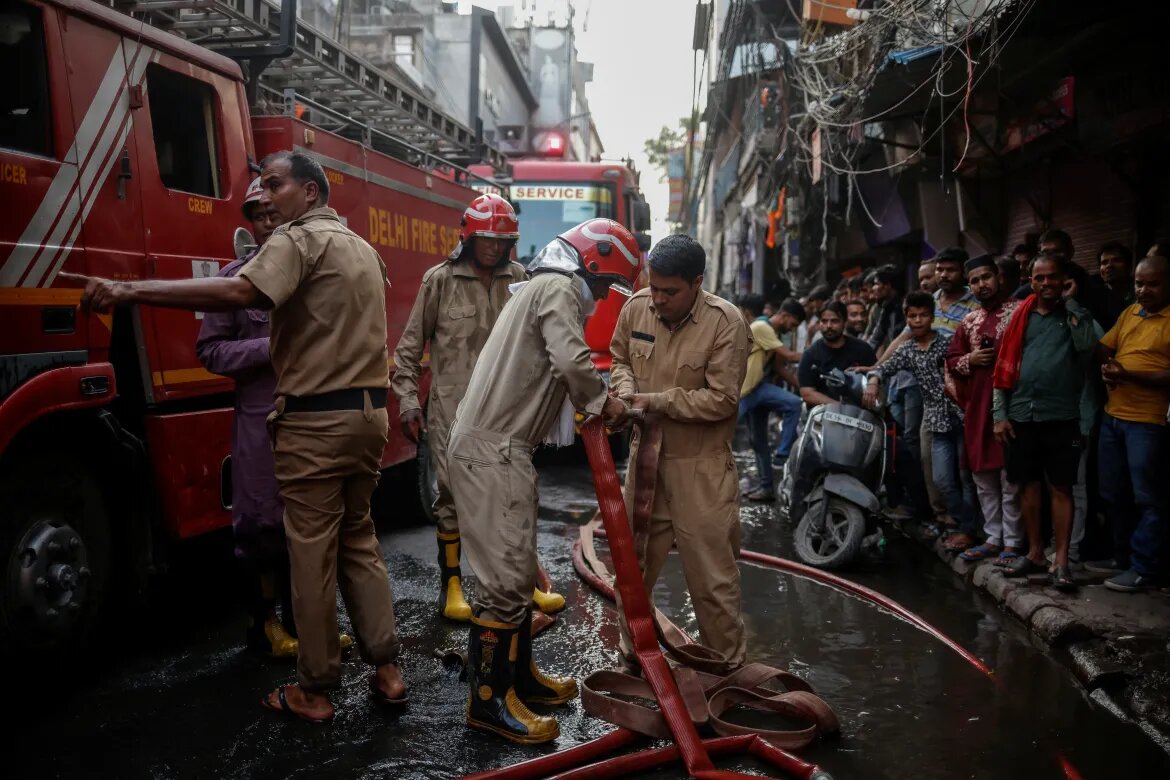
pixel 557 255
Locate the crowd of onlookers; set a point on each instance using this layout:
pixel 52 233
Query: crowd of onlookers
pixel 1030 400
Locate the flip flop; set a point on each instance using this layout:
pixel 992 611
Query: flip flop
pixel 1006 557
pixel 285 709
pixel 980 552
pixel 382 698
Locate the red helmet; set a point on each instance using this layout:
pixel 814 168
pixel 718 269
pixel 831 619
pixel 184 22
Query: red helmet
pixel 608 251
pixel 489 216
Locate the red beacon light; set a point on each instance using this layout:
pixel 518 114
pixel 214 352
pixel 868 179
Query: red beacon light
pixel 550 144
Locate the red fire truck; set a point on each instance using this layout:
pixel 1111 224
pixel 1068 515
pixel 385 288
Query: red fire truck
pixel 125 153
pixel 553 195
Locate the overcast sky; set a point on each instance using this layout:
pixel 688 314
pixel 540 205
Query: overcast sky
pixel 642 76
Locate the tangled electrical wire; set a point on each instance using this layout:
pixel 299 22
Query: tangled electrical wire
pixel 827 79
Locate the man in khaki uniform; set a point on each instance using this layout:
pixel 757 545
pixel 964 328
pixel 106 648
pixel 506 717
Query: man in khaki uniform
pixel 534 359
pixel 456 307
pixel 681 353
pixel 326 287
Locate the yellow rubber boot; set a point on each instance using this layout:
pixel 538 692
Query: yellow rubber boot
pixel 452 604
pixel 283 645
pixel 492 702
pixel 548 603
pixel 532 685
pixel 345 640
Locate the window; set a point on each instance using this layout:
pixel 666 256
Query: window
pixel 182 112
pixel 24 101
pixel 404 50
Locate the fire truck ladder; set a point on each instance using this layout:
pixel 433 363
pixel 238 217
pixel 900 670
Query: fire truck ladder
pixel 308 63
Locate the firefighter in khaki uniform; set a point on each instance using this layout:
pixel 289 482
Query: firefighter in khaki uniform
pixel 326 287
pixel 681 353
pixel 535 358
pixel 455 309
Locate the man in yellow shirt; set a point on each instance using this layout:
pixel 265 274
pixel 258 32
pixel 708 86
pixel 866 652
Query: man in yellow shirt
pixel 758 397
pixel 1135 441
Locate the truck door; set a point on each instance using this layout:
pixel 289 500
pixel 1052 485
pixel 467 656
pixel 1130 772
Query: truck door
pixel 104 71
pixel 189 216
pixel 38 187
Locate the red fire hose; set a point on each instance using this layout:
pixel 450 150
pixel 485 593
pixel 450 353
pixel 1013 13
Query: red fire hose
pixel 578 763
pixel 694 752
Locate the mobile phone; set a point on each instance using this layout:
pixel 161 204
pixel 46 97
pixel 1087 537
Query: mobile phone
pixel 987 343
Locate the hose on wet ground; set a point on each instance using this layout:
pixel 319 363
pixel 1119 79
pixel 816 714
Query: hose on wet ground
pixel 590 569
pixel 676 710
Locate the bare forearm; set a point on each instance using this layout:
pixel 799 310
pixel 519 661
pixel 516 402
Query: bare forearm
pixel 1148 378
pixel 212 294
pixel 813 397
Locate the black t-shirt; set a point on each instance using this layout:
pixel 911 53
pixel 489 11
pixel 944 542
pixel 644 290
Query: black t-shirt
pixel 820 358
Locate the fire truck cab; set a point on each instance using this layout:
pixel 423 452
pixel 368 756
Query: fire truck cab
pixel 125 153
pixel 553 196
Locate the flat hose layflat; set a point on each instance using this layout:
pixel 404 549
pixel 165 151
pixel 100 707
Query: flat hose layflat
pixel 694 752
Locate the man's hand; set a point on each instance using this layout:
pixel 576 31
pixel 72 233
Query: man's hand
pixel 100 295
pixel 1113 372
pixel 413 424
pixel 1004 433
pixel 982 357
pixel 639 401
pixel 615 412
pixel 869 399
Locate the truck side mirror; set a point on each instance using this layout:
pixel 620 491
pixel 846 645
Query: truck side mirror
pixel 643 241
pixel 641 215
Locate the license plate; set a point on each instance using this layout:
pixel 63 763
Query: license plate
pixel 852 422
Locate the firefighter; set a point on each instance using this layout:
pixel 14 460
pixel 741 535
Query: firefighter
pixel 455 309
pixel 325 287
pixel 235 344
pixel 535 358
pixel 680 353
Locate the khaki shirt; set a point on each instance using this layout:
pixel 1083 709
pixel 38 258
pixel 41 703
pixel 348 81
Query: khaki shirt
pixel 455 312
pixel 328 291
pixel 533 357
pixel 693 374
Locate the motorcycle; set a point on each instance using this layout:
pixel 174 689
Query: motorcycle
pixel 831 484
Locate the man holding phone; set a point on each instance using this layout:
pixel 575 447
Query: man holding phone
pixel 970 362
pixel 1039 401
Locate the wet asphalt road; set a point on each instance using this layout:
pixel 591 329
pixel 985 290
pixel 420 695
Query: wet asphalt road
pixel 171 694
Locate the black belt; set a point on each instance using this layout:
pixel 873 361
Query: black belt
pixel 350 400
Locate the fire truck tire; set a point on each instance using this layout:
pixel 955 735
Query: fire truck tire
pixel 427 480
pixel 55 555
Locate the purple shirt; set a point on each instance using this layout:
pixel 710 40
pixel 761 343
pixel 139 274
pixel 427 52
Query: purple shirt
pixel 235 344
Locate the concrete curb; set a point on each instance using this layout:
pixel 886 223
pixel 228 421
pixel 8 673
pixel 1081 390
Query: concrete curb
pixel 1095 650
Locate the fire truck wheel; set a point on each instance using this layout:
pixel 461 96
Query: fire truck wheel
pixel 54 553
pixel 428 480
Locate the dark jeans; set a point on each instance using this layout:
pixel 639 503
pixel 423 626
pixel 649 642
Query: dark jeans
pixel 906 483
pixel 954 482
pixel 1131 462
pixel 757 404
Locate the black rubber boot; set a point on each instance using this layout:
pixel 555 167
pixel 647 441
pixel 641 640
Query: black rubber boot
pixel 532 685
pixel 492 703
pixel 452 604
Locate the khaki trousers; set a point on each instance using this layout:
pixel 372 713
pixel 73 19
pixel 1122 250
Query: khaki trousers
pixel 327 464
pixel 494 485
pixel 696 506
pixel 446 518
